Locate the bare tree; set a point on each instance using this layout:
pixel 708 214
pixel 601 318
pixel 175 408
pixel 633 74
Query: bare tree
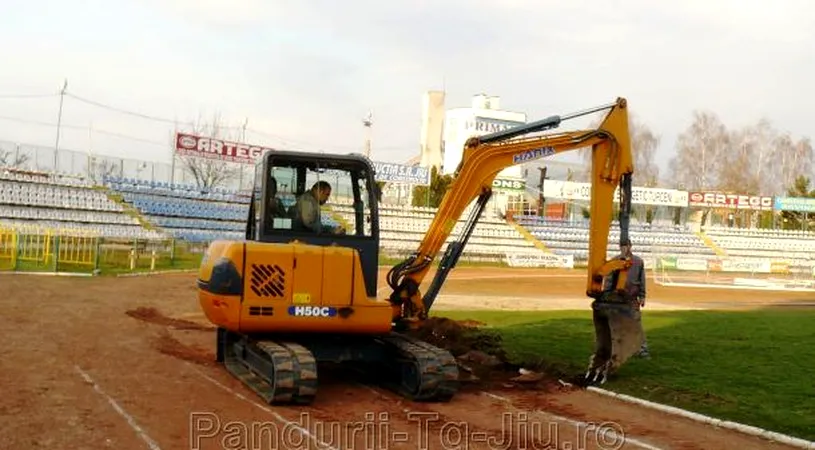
pixel 101 168
pixel 762 160
pixel 699 153
pixel 209 173
pixel 644 143
pixel 735 174
pixel 14 158
pixel 795 161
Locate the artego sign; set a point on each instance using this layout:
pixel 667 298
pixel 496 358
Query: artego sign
pixel 203 147
pixel 500 184
pixel 730 201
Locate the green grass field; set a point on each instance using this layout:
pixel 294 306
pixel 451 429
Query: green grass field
pixel 750 367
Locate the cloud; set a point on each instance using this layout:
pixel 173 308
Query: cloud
pixel 305 73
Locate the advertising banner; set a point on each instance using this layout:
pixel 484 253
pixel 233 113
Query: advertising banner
pixel 203 147
pixel 746 265
pixel 666 262
pixel 488 125
pixel 401 173
pixel 187 144
pixel 730 201
pixel 504 184
pixel 800 204
pixel 691 264
pixel 780 267
pixel 540 260
pixel 571 190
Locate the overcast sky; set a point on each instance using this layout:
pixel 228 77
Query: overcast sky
pixel 305 73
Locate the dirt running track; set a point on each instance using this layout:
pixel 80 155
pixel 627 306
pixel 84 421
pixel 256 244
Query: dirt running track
pixel 79 373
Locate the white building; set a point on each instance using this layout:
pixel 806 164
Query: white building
pixel 484 116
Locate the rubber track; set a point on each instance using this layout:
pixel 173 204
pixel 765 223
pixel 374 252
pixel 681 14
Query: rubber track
pixel 295 373
pixel 438 369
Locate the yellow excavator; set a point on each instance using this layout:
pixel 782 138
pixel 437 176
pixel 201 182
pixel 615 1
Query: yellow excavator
pixel 297 292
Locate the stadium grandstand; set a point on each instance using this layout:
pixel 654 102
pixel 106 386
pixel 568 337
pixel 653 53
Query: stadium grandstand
pixel 132 208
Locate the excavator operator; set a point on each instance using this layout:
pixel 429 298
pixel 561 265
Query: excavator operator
pixel 307 209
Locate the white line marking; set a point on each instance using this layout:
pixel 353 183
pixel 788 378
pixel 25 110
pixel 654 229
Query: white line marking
pixel 277 416
pixel 132 422
pixel 580 424
pixel 746 429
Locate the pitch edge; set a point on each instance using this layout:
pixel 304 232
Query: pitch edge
pixel 48 274
pixel 158 272
pixel 747 429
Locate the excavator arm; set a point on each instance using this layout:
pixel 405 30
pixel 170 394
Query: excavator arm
pixel 618 329
pixel 483 158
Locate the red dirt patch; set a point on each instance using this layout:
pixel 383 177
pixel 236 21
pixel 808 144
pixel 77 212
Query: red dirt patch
pixel 169 345
pixel 152 315
pixel 46 408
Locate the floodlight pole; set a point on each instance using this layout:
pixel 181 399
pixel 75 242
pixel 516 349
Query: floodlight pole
pixel 368 123
pixel 241 165
pixel 59 122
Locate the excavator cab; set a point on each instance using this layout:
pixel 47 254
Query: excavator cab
pixel 285 204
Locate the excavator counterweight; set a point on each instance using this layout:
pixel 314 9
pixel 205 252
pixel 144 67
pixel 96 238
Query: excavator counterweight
pixel 301 289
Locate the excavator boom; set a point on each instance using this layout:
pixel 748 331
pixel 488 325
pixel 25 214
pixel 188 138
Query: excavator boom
pixel 483 158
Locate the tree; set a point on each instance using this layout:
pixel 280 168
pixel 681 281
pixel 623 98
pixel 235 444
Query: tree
pixel 699 152
pixel 438 187
pixel 737 171
pixel 209 173
pixel 761 160
pixel 644 143
pixel 101 168
pixel 796 160
pixel 794 220
pixel 14 158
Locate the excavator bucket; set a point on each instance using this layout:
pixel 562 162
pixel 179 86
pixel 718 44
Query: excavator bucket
pixel 618 335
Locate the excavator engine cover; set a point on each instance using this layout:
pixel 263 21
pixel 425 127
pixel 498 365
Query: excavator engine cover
pixel 618 335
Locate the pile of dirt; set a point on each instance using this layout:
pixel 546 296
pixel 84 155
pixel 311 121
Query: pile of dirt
pixel 459 337
pixel 479 351
pixel 152 315
pixel 169 345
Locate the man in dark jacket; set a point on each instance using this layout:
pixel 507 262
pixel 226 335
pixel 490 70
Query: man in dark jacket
pixel 635 283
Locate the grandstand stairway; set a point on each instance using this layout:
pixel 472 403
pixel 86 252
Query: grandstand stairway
pixel 127 208
pixel 712 245
pixel 529 237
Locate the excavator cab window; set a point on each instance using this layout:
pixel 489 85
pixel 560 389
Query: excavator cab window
pixel 315 196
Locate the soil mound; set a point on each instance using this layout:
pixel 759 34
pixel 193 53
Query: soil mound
pixel 460 338
pixel 480 354
pixel 152 315
pixel 169 345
